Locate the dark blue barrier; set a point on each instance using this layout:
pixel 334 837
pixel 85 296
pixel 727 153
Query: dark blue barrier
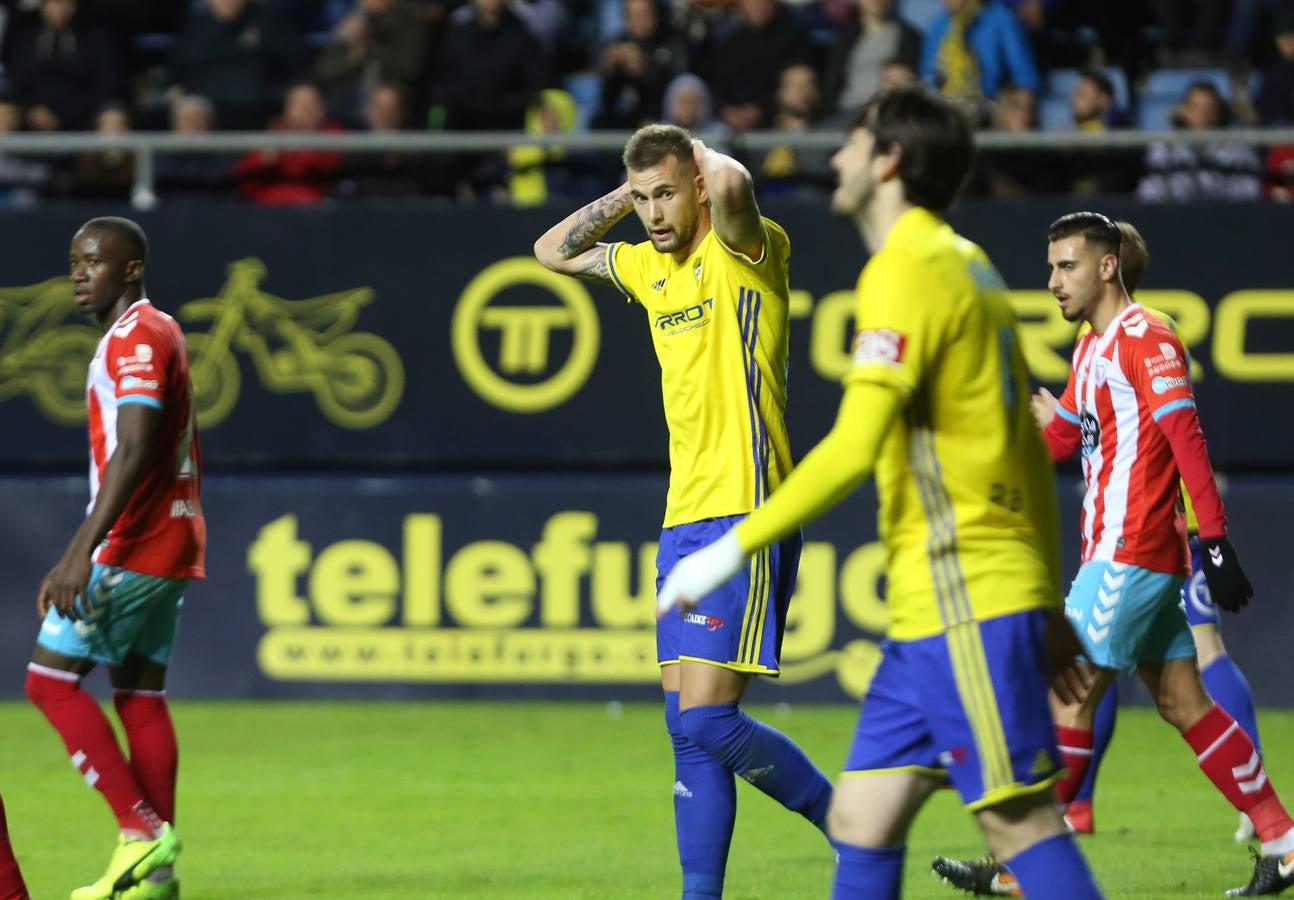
pixel 517 586
pixel 420 336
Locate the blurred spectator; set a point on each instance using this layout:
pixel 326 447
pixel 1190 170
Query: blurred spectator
pixel 396 173
pixel 897 74
pixel 1092 102
pixel 1055 42
pixel 797 111
pixel 21 180
pixel 745 63
pixel 1015 173
pixel 1109 170
pixel 1280 174
pixel 379 41
pixel 637 66
pixel 63 69
pixel 106 174
pixel 237 55
pixel 688 104
pixel 539 174
pixel 1276 96
pixel 1246 41
pixel 1220 171
pixel 974 47
pixel 861 52
pixel 1192 31
pixel 193 174
pixel 491 67
pixel 292 177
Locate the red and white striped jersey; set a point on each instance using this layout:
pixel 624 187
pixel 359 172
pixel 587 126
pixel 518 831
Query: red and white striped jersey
pixel 142 359
pixel 1121 383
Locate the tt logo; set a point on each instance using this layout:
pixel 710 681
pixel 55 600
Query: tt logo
pixel 529 374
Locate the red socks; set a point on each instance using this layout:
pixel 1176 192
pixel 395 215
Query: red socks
pixel 1076 754
pixel 11 883
pixel 154 754
pixel 1227 756
pixel 93 747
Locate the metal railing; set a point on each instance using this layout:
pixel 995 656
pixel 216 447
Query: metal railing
pixel 146 146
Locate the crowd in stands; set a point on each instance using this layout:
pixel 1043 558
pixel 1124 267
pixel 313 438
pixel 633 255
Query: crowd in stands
pixel 722 67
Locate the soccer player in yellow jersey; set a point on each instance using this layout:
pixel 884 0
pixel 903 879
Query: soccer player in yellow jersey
pixel 712 279
pixel 937 404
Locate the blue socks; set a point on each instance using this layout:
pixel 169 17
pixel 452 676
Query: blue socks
pixel 763 756
pixel 1102 734
pixel 1227 685
pixel 705 807
pixel 864 874
pixel 1053 868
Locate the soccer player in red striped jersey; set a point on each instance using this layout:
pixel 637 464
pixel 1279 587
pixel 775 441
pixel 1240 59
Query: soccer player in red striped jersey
pixel 1129 405
pixel 114 597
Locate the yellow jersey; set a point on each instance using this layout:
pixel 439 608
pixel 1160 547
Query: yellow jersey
pixel 1188 508
pixel 968 508
pixel 720 323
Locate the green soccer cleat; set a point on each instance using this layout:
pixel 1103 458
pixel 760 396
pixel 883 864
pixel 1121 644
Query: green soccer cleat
pixel 1272 875
pixel 983 877
pixel 131 863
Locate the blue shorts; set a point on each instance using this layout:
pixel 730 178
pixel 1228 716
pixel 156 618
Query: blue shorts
pixel 969 705
pixel 129 613
pixel 1195 593
pixel 1126 615
pixel 740 625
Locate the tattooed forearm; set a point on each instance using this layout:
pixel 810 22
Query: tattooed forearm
pixel 595 270
pixel 595 220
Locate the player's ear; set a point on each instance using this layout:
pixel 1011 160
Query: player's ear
pixel 1110 267
pixel 134 271
pixel 889 160
pixel 702 192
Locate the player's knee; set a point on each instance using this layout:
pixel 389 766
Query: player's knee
pixel 42 688
pixel 849 825
pixel 711 727
pixel 1182 712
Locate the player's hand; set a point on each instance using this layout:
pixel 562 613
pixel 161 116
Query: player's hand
pixel 699 573
pixel 1229 589
pixel 1043 403
pixel 64 583
pixel 1068 673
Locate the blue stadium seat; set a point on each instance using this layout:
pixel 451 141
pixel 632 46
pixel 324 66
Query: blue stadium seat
pixel 1060 83
pixel 1172 83
pixel 920 12
pixel 1054 114
pixel 1155 113
pixel 611 21
pixel 586 88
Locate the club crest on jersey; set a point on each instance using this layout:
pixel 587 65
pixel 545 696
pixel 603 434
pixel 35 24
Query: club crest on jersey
pixel 879 345
pixel 696 269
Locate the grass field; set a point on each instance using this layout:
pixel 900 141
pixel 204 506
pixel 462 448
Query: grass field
pixel 348 800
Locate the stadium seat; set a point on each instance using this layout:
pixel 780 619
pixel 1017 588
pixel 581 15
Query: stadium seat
pixel 1155 113
pixel 586 88
pixel 920 12
pixel 611 21
pixel 1171 84
pixel 1054 114
pixel 1060 83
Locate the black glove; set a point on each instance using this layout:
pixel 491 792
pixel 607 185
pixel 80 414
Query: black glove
pixel 1228 587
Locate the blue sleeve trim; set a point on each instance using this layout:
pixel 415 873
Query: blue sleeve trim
pixel 140 399
pixel 1067 415
pixel 1184 403
pixel 615 276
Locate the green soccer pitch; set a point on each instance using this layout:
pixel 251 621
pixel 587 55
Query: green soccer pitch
pixel 477 800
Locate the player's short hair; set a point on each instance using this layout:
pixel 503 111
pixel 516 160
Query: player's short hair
pixel 653 143
pixel 1134 256
pixel 126 229
pixel 935 137
pixel 1095 228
